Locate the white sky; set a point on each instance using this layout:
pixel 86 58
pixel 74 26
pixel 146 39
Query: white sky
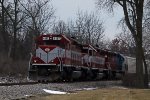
pixel 67 9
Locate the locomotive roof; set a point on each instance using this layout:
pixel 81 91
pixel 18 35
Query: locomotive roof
pixel 75 42
pixel 107 52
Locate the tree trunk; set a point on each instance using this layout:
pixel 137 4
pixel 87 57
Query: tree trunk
pixel 146 71
pixel 139 67
pixel 15 31
pixel 14 44
pixel 139 48
pixel 4 33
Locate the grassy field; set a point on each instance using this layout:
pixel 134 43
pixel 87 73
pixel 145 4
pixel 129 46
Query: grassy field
pixel 101 94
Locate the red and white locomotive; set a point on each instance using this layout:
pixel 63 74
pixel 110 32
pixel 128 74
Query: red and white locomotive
pixel 57 56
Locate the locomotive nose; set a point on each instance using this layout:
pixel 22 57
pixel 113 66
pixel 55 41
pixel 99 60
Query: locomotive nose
pixel 47 48
pixel 49 54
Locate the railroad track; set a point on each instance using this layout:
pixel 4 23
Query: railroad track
pixel 21 83
pixel 45 82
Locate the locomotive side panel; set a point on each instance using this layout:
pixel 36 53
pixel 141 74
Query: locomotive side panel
pixel 98 62
pixel 75 55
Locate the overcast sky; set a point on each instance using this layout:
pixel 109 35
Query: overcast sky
pixel 67 9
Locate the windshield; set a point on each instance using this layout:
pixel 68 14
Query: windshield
pixel 51 42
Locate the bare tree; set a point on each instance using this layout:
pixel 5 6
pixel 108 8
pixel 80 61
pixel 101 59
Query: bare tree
pixel 16 17
pixel 31 17
pixel 89 27
pixel 60 27
pixel 4 34
pixel 133 13
pixel 146 29
pixel 146 42
pixel 40 17
pixel 125 37
pixel 70 28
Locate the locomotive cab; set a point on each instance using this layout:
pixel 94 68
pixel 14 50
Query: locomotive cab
pixel 93 61
pixel 48 57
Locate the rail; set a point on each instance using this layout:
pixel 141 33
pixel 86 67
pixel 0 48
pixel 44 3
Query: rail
pixel 21 83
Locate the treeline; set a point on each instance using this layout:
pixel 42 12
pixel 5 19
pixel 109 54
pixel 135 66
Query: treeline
pixel 22 21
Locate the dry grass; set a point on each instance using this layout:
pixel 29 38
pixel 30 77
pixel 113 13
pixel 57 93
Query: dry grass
pixel 101 94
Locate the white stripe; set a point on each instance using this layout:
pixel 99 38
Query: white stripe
pixel 47 57
pixel 57 52
pixel 41 54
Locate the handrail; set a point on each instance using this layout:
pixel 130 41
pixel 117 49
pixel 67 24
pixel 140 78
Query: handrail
pixel 30 59
pixel 60 61
pixel 29 65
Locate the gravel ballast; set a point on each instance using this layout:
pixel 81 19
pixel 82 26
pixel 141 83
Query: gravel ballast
pixel 23 91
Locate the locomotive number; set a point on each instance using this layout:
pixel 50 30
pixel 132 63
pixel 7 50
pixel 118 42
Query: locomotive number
pixel 45 38
pixel 56 38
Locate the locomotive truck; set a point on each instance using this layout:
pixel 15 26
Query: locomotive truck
pixel 58 57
